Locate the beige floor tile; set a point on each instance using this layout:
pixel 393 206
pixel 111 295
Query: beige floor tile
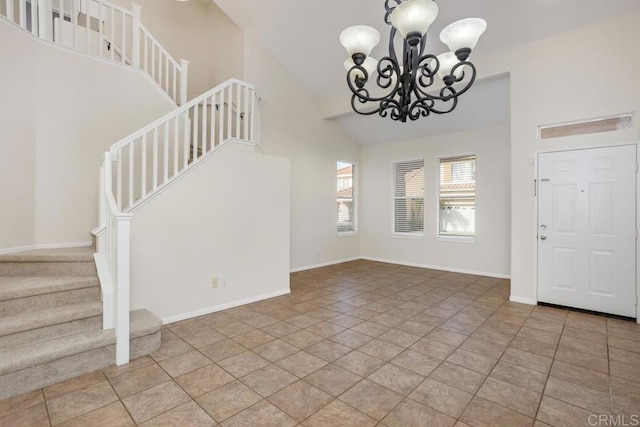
pixel 586 398
pixel 581 376
pixel 155 401
pixel 624 388
pixel 303 321
pixel 300 400
pixel 186 327
pixel 527 360
pixel 64 387
pixel 583 335
pixel 222 350
pixel 381 349
pixel 170 349
pixel 396 378
pixel 351 338
pixel 557 413
pixel 228 400
pixel 115 370
pixel 216 319
pixel 234 329
pixel 599 350
pixel 184 363
pixel 141 379
pixel 189 414
pixel 269 380
pixel 411 413
pixel 538 335
pixel 446 337
pixel 433 348
pixel 370 329
pixel 372 399
pixel 475 361
pixel 630 409
pixel 302 339
pixel 262 414
pixel 253 339
pixel 483 347
pixel 415 328
pixel 624 370
pixel 519 376
pixel 459 377
pixel 329 350
pixel 446 399
pixel 482 413
pixel 625 344
pixel 279 329
pixel 35 415
pixel 333 379
pixel 203 380
pixel 80 402
pixel 113 415
pixel 19 403
pixel 203 337
pixel 417 362
pixel 276 350
pixel 243 364
pixel 339 414
pixel 512 396
pixel 325 329
pixel 579 358
pixel 399 338
pixel 302 363
pixel 359 363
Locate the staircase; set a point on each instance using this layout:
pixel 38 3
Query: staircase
pixel 51 325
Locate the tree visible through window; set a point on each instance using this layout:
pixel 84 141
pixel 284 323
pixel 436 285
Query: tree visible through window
pixel 457 196
pixel 346 197
pixel 408 197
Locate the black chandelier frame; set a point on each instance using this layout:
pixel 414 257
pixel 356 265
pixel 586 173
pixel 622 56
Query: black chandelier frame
pixel 408 97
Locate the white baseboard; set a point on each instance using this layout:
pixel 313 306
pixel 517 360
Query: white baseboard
pixel 45 246
pixel 225 306
pixel 324 264
pixel 436 267
pixel 528 301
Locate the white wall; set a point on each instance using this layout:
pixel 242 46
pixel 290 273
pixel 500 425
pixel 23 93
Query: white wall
pixel 292 128
pixel 489 254
pixel 83 107
pixel 227 218
pixel 17 137
pixel 586 73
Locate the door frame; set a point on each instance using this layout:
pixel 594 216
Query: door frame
pixel 536 181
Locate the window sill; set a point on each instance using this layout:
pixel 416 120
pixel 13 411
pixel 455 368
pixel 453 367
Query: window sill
pixel 411 236
pixel 457 239
pixel 347 234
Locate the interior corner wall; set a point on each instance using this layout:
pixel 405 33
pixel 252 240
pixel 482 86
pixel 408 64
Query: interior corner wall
pixel 489 254
pixel 585 73
pixel 226 219
pixel 17 137
pixel 292 128
pixel 198 32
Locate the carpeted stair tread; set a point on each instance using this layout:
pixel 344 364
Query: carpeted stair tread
pixel 82 254
pixel 37 354
pixel 143 322
pixel 43 318
pixel 25 286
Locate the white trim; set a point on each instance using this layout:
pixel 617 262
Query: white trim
pixel 324 264
pixel 528 301
pixel 225 306
pixel 435 267
pixel 45 246
pixel 410 236
pixel 106 288
pixel 347 234
pixel 455 239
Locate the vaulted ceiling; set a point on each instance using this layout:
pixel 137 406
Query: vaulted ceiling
pixel 303 36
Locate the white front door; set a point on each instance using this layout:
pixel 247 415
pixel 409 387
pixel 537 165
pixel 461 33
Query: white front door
pixel 587 229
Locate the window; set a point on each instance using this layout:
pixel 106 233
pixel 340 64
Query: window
pixel 408 197
pixel 457 196
pixel 346 213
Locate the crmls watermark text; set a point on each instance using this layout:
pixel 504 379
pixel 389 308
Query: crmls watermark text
pixel 614 420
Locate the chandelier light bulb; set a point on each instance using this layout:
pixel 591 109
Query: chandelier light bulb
pixel 359 39
pixel 463 34
pixel 414 16
pixel 370 64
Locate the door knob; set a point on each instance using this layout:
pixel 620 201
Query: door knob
pixel 543 237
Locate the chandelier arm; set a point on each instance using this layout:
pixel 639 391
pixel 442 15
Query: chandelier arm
pixel 472 79
pixel 389 8
pixel 359 89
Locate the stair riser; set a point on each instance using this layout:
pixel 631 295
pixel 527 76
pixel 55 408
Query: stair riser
pixel 50 332
pixel 16 306
pixel 39 376
pixel 47 269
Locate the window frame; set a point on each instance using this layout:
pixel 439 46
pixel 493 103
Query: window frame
pixel 354 196
pixel 456 238
pixel 416 235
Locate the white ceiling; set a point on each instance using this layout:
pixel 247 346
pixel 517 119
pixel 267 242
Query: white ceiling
pixel 303 35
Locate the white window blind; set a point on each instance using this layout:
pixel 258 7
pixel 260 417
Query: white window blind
pixel 457 196
pixel 408 196
pixel 346 200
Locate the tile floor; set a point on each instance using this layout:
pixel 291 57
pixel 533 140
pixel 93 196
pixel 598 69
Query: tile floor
pixel 364 344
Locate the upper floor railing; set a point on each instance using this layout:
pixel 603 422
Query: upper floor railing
pixel 105 30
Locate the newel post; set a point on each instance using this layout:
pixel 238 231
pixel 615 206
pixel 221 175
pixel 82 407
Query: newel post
pixel 45 19
pixel 137 11
pixel 123 257
pixel 184 78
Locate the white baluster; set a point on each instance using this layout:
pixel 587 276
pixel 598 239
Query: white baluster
pixel 204 127
pixel 184 78
pixel 212 123
pixel 155 158
pixel 45 20
pixel 166 152
pixel 221 117
pixel 131 172
pixel 238 109
pixel 176 132
pixel 246 114
pixel 143 166
pixel 195 132
pixel 135 53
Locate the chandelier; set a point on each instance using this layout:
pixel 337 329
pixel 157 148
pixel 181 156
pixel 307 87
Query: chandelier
pixel 406 81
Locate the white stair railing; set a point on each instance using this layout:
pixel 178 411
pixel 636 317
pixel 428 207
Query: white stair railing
pixel 148 161
pixel 105 30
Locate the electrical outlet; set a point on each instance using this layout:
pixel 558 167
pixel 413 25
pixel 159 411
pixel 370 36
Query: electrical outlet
pixel 214 282
pixel 224 282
